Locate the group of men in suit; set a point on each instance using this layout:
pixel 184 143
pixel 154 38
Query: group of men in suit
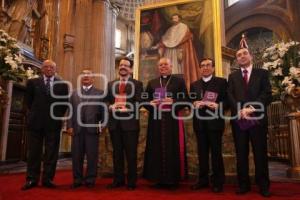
pixel 247 93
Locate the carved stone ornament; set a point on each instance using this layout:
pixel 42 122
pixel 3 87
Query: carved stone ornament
pixel 69 42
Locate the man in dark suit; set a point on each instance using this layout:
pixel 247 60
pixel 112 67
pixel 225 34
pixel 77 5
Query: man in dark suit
pixel 83 126
pixel 41 93
pixel 250 89
pixel 209 94
pixel 122 96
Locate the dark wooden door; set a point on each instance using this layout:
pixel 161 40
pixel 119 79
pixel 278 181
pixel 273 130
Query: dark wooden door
pixel 16 141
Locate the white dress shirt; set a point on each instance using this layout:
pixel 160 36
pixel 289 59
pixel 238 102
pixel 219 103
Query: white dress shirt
pixel 249 69
pixel 86 88
pixel 46 79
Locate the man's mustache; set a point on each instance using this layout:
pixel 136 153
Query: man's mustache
pixel 123 69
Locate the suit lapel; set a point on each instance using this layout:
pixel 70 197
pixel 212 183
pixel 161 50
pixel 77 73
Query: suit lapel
pixel 128 87
pixel 116 83
pixel 42 84
pixel 253 77
pixel 240 77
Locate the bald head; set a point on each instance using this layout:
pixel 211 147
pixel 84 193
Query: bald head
pixel 165 66
pixel 49 68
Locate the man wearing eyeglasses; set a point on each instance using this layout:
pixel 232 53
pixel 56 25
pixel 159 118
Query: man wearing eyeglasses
pixel 209 98
pixel 123 95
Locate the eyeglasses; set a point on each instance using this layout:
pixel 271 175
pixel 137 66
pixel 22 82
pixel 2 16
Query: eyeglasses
pixel 206 65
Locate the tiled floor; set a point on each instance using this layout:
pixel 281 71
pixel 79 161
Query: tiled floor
pixel 277 169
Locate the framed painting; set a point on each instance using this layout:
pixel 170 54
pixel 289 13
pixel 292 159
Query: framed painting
pixel 185 31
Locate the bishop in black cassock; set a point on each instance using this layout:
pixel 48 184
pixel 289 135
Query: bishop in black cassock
pixel 164 155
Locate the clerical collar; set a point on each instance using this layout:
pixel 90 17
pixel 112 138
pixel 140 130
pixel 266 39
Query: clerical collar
pixel 165 76
pixel 165 79
pixel 206 79
pixel 86 88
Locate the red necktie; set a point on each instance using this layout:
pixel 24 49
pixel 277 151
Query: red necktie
pixel 122 87
pixel 245 76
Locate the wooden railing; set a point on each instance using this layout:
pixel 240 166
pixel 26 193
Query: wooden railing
pixel 278 130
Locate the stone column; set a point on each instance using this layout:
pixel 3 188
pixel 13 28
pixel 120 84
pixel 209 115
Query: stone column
pixel 83 36
pixel 102 47
pixel 65 42
pixel 102 60
pixel 294 126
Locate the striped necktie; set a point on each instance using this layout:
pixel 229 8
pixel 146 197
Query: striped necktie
pixel 48 80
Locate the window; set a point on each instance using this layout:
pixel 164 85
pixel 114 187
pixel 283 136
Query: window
pixel 231 2
pixel 118 39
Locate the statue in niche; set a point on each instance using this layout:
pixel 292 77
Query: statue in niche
pixel 23 15
pixel 44 48
pixel 4 20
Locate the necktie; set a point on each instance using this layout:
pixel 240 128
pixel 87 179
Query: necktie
pixel 245 76
pixel 48 86
pixel 122 87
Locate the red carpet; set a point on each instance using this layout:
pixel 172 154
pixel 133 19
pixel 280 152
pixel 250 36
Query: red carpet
pixel 10 189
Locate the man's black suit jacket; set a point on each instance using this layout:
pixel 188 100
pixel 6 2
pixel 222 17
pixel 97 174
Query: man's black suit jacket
pixel 258 90
pixel 219 86
pixel 136 88
pixel 39 104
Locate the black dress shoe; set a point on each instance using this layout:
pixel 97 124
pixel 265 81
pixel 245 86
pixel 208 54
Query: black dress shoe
pixel 265 193
pixel 48 184
pixel 172 186
pixel 90 184
pixel 199 186
pixel 76 185
pixel 157 186
pixel 242 191
pixel 28 185
pixel 131 187
pixel 217 189
pixel 114 185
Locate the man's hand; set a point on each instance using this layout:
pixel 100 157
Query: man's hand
pixel 199 104
pixel 120 107
pixel 167 101
pixel 155 102
pixel 112 107
pixel 70 131
pixel 245 113
pixel 212 105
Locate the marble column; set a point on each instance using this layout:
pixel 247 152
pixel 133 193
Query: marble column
pixel 102 52
pixel 83 36
pixel 66 41
pixel 102 58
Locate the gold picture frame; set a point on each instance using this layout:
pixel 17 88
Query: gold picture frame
pixel 145 65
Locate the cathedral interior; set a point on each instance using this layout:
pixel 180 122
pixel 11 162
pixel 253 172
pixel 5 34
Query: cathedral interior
pixel 97 33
